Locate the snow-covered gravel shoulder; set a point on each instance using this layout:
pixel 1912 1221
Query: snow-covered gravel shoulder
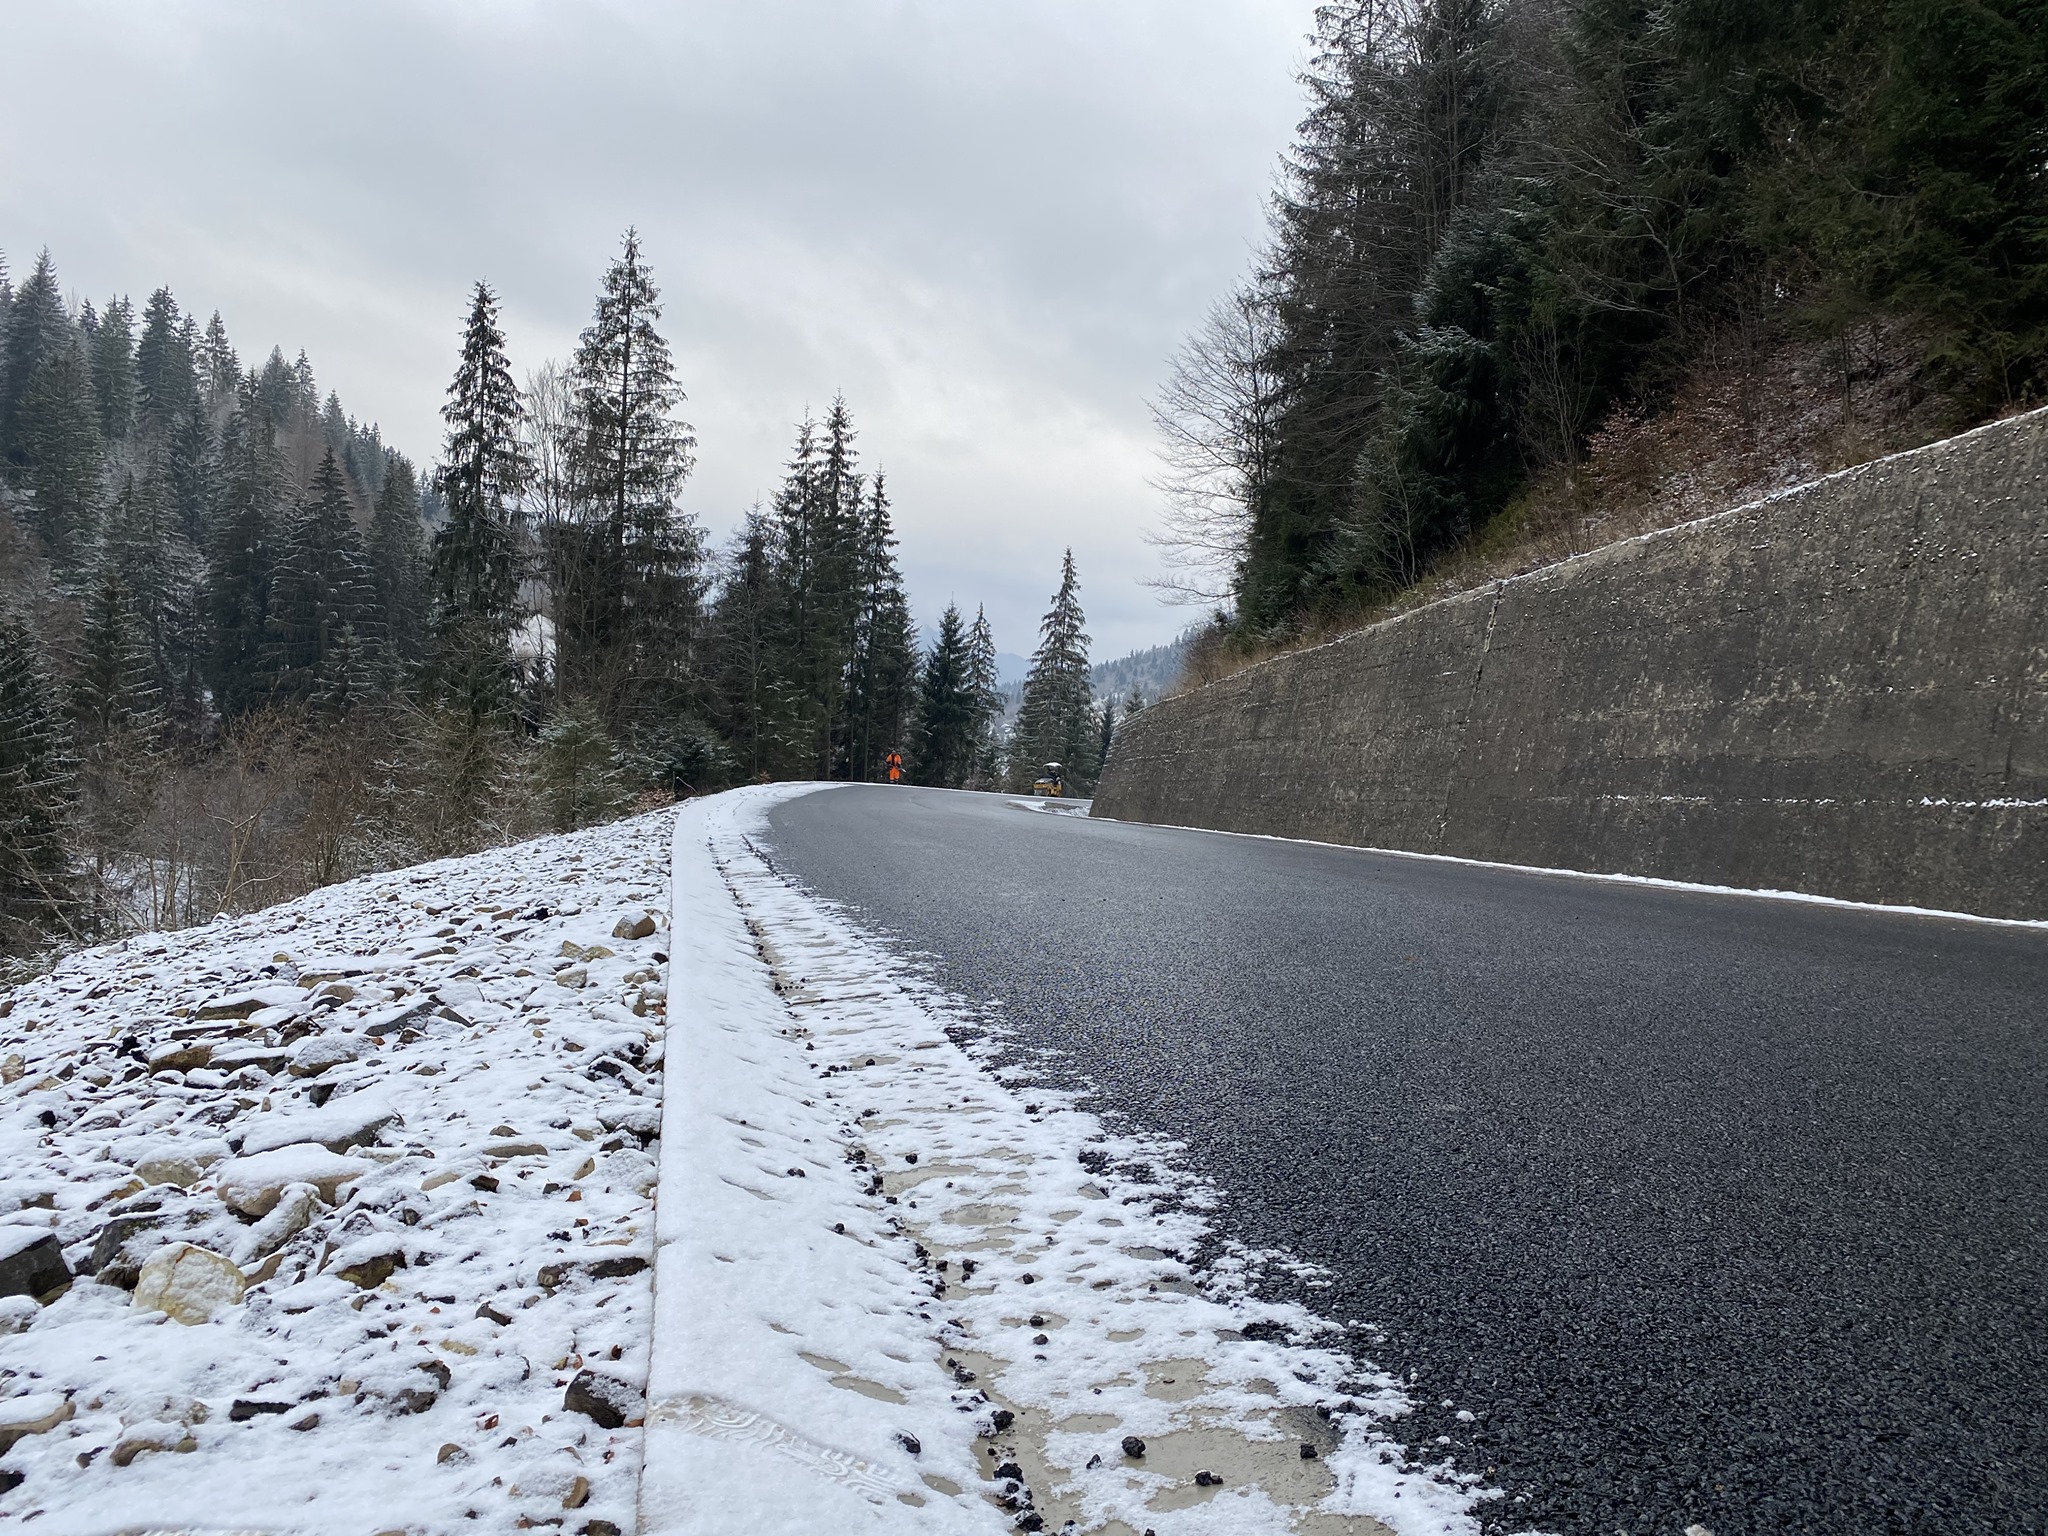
pixel 895 1294
pixel 364 1187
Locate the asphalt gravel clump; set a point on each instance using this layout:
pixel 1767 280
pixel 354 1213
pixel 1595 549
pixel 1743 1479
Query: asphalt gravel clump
pixel 1673 1208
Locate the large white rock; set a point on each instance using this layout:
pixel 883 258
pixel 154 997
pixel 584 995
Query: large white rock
pixel 179 1160
pixel 297 1204
pixel 253 1185
pixel 36 1414
pixel 340 1124
pixel 189 1284
pixel 322 1052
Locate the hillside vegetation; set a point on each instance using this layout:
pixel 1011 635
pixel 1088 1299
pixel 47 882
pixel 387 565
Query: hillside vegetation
pixel 1544 274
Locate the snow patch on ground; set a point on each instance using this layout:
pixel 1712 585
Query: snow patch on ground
pixel 1652 882
pixel 437 1083
pixel 895 1294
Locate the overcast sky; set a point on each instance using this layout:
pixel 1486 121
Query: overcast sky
pixel 987 222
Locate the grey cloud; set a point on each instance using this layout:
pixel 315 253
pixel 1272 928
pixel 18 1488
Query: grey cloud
pixel 986 223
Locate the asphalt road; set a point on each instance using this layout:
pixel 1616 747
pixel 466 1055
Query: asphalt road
pixel 1711 1209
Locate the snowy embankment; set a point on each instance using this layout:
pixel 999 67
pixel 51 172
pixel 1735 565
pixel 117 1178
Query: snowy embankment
pixel 896 1294
pixel 356 1198
pixel 363 1187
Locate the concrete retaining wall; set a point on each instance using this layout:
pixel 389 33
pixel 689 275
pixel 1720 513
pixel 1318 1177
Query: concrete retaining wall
pixel 1842 689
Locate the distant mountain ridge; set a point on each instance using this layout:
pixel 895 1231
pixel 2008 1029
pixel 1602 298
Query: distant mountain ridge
pixel 1151 671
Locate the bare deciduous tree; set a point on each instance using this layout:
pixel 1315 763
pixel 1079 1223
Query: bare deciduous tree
pixel 1216 417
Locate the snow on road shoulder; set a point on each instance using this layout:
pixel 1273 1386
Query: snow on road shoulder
pixel 895 1294
pixel 357 1191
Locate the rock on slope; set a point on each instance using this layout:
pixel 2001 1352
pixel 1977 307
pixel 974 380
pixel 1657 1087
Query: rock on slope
pixel 356 1192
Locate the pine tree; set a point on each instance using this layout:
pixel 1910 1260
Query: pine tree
pixel 985 684
pixel 60 440
pixel 220 371
pixel 461 775
pixel 398 569
pixel 578 771
pixel 38 793
pixel 335 427
pixel 802 546
pixel 36 327
pixel 630 569
pixel 1056 722
pixel 748 652
pixel 113 369
pixel 186 472
pixel 117 723
pixel 881 675
pixel 947 708
pixel 277 391
pixel 165 383
pixel 475 567
pixel 321 599
pixel 144 554
pixel 241 554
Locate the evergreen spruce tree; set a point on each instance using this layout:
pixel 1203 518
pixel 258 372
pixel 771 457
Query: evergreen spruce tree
pixel 335 427
pixel 802 545
pixel 113 692
pixel 463 770
pixel 985 685
pixel 144 554
pixel 881 676
pixel 117 725
pixel 1056 722
pixel 60 442
pixel 578 771
pixel 165 384
pixel 220 371
pixel 277 391
pixel 628 573
pixel 365 458
pixel 305 391
pixel 36 327
pixel 947 708
pixel 184 469
pixel 38 793
pixel 839 580
pixel 321 600
pixel 113 369
pixel 398 569
pixel 748 653
pixel 476 562
pixel 241 554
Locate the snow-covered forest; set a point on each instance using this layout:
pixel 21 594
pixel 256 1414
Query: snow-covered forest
pixel 247 648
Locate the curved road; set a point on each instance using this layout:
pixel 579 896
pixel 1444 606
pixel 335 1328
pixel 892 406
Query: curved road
pixel 1710 1209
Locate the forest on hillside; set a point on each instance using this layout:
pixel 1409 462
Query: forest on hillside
pixel 1542 273
pixel 247 648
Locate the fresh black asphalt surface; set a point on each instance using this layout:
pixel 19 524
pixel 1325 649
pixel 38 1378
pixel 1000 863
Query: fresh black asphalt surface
pixel 1711 1209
